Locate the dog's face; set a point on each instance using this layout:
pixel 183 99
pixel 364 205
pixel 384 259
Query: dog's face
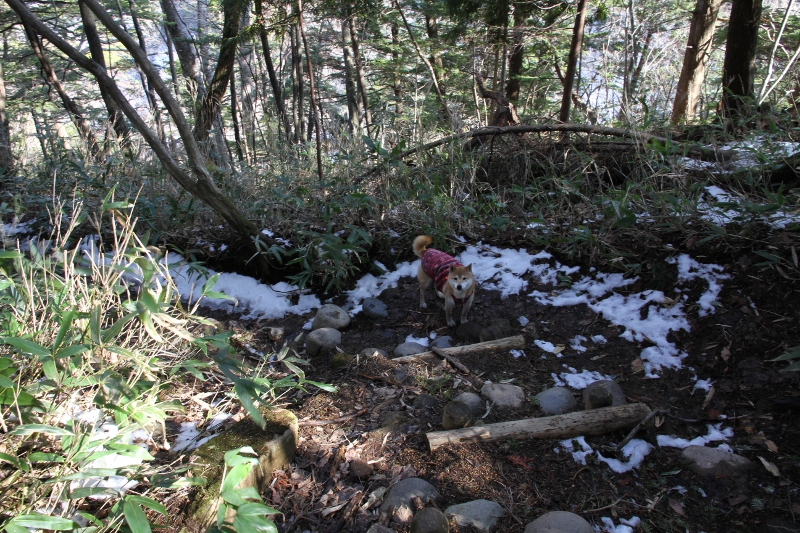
pixel 460 278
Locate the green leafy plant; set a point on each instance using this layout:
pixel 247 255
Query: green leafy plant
pixel 790 355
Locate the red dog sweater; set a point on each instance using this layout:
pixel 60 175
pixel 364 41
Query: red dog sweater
pixel 437 265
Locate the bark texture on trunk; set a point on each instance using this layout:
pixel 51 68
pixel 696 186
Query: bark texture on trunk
pixel 361 79
pixel 6 157
pixel 353 119
pixel 398 81
pixel 183 42
pixel 517 57
pixel 695 59
pixel 115 116
pixel 574 52
pixel 277 93
pixel 740 53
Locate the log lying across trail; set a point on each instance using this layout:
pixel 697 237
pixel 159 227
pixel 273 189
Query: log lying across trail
pixel 592 422
pixel 508 343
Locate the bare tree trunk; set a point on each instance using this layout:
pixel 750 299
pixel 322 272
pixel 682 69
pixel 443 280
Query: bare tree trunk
pixel 171 54
pixel 273 78
pixel 398 81
pixel 740 52
pixel 361 79
pixel 445 112
pixel 151 93
pixel 432 30
pixel 297 85
pixel 209 106
pixel 235 119
pixel 6 157
pixel 77 117
pixel 314 109
pixel 574 52
pixel 247 90
pixel 695 59
pixel 517 57
pixel 637 72
pixel 353 120
pixel 115 116
pixel 182 40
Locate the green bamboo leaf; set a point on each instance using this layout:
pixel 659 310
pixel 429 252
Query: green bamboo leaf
pixel 26 346
pixel 135 517
pixel 323 386
pixel 113 332
pixel 6 383
pixel 72 350
pixel 41 521
pixel 234 476
pixel 147 321
pixel 95 324
pixel 30 429
pixel 245 398
pixel 66 324
pixel 256 509
pixel 21 398
pixel 18 463
pixel 150 503
pixel 43 457
pixel 791 353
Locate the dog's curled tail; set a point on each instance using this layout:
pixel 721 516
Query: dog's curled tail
pixel 421 243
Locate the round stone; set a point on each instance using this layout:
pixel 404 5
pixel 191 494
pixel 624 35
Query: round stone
pixel 331 316
pixel 374 308
pixel 323 341
pixel 456 415
pixel 559 522
pixel 409 348
pixel 556 401
pixel 430 520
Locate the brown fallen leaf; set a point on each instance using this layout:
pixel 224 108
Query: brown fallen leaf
pixel 771 468
pixel 771 446
pixel 725 353
pixel 677 507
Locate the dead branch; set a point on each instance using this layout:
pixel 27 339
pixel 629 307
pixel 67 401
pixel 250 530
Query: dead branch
pixel 704 153
pixel 304 423
pixel 508 343
pixel 593 422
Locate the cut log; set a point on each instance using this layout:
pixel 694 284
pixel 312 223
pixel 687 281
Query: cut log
pixel 593 422
pixel 508 343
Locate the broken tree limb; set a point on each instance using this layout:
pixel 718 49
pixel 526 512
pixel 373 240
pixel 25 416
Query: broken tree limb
pixel 675 147
pixel 592 422
pixel 508 343
pixel 450 359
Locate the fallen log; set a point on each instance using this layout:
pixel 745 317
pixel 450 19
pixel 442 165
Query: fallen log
pixel 508 343
pixel 592 422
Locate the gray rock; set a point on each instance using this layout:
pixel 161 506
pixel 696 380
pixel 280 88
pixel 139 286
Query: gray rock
pixel 361 469
pixel 503 394
pixel 492 333
pixel 430 520
pixel 456 415
pixel 559 522
pixel 475 402
pixel 603 393
pixel 503 323
pixel 445 341
pixel 469 332
pixel 331 316
pixel 409 348
pixel 425 401
pixel 323 341
pixel 714 462
pixel 398 503
pixel 556 401
pixel 373 352
pixel 374 308
pixel 479 514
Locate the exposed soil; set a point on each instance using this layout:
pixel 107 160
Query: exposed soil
pixel 757 319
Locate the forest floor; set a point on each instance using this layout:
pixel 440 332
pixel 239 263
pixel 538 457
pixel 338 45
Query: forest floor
pixel 756 317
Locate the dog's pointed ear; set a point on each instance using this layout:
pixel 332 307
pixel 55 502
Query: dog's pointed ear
pixel 469 267
pixel 452 268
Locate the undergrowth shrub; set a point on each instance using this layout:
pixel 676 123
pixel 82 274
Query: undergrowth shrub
pixel 93 341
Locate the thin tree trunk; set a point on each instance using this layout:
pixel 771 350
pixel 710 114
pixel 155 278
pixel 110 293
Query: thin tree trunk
pixel 208 108
pixel 6 157
pixel 182 40
pixel 77 117
pixel 695 59
pixel 247 99
pixel 311 92
pixel 398 81
pixel 151 93
pixel 439 96
pixel 574 52
pixel 273 78
pixel 353 121
pixel 235 119
pixel 637 72
pixel 517 57
pixel 115 116
pixel 297 85
pixel 432 30
pixel 171 53
pixel 740 52
pixel 361 79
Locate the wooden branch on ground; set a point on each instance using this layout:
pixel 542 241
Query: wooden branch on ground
pixel 508 343
pixel 593 422
pixel 450 359
pixel 708 153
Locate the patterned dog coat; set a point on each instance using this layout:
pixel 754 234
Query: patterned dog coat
pixel 436 265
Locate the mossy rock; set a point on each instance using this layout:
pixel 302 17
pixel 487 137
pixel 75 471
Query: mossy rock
pixel 275 446
pixel 341 360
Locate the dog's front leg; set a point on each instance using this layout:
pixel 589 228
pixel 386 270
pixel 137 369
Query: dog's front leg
pixel 449 304
pixel 467 306
pixel 423 286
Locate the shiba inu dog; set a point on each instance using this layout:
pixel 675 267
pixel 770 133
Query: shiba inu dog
pixel 454 282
